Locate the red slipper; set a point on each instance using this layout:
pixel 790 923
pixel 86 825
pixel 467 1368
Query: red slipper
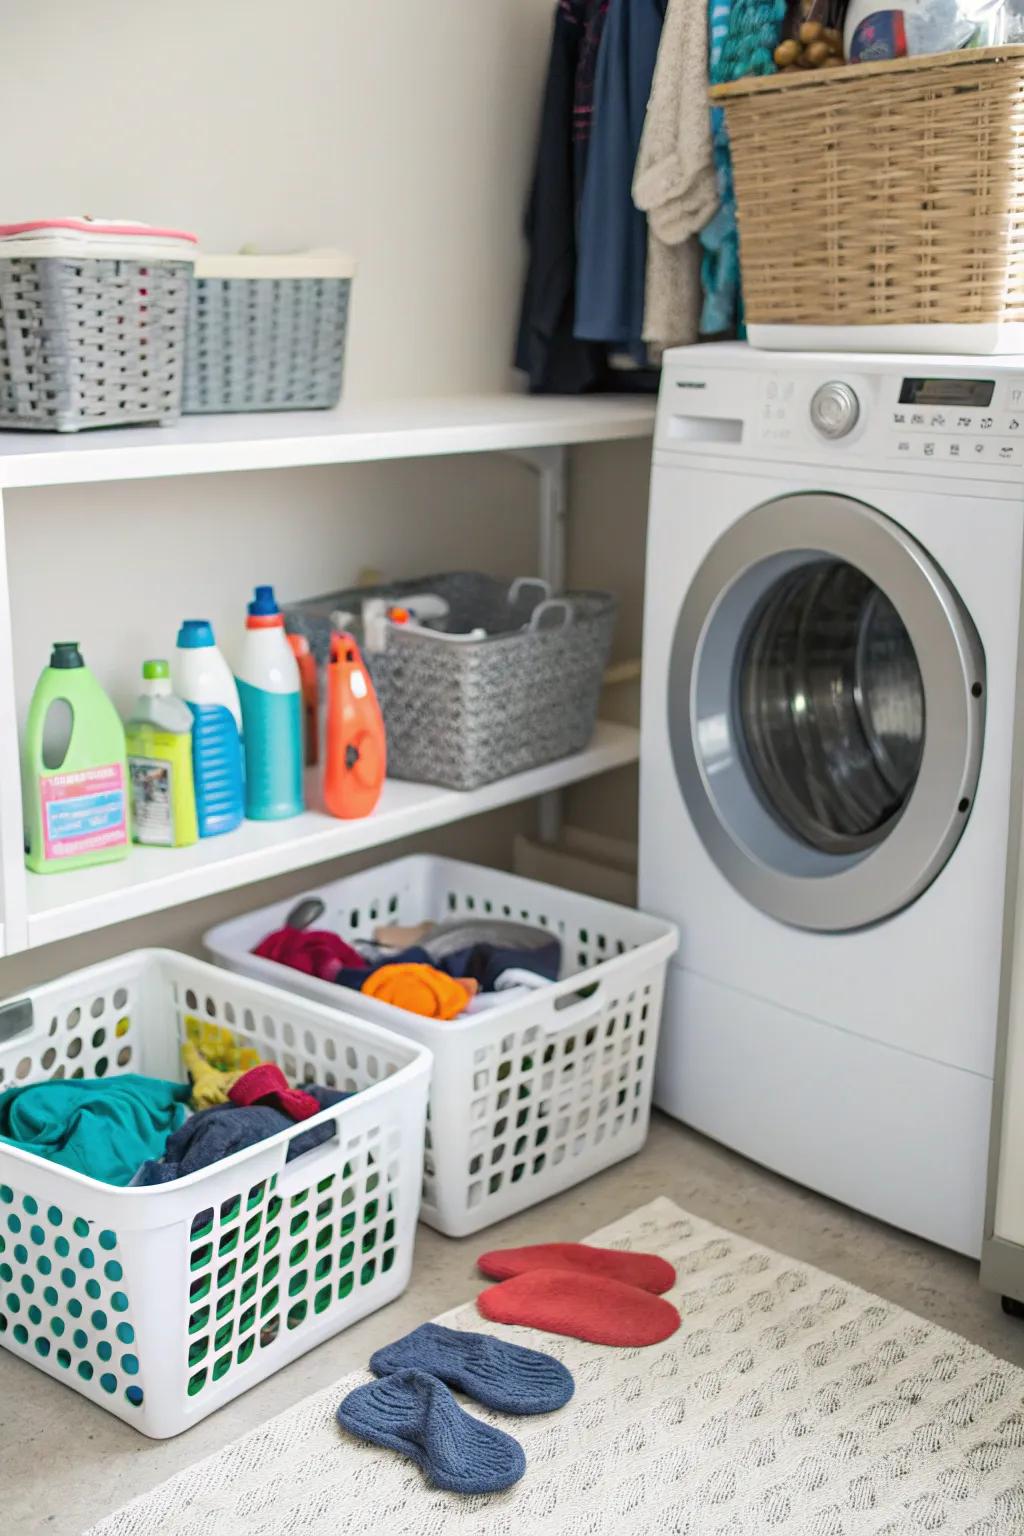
pixel 589 1307
pixel 644 1270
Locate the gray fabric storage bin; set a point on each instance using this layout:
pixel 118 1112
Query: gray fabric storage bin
pixel 461 713
pixel 267 333
pixel 90 341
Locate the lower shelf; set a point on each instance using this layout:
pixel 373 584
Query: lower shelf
pixel 150 879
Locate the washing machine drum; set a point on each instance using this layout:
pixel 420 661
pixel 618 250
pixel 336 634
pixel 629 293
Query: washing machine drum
pixel 826 708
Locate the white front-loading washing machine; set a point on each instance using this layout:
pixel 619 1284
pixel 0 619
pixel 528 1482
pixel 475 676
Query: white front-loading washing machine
pixel 832 637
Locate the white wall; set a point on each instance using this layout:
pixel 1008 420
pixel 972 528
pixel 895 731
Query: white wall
pixel 403 131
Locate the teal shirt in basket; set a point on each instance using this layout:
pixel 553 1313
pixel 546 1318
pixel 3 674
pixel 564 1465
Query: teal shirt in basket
pixel 103 1127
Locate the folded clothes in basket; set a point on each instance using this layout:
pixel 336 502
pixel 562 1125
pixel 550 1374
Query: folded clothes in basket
pixel 102 1127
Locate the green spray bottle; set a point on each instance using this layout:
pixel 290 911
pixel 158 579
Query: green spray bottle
pixel 159 736
pixel 75 773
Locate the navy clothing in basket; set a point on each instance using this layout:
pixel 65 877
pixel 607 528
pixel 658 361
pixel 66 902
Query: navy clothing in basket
pixel 213 1134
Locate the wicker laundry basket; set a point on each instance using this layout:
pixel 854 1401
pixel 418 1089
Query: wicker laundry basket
pixel 267 333
pixel 88 342
pixel 464 712
pixel 882 205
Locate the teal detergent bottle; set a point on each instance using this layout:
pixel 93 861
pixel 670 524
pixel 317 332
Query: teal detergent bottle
pixel 75 770
pixel 203 679
pixel 270 690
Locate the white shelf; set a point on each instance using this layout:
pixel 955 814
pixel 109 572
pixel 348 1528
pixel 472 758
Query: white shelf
pixel 350 434
pixel 40 910
pixel 151 879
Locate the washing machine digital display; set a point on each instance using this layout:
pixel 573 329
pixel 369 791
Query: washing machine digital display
pixel 970 392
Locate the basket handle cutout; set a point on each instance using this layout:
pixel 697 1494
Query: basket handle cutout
pixel 308 1168
pixel 570 1009
pixel 16 1019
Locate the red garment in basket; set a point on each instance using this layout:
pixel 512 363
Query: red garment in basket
pixel 317 952
pixel 267 1084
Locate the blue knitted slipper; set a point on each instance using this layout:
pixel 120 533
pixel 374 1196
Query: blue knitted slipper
pixel 416 1414
pixel 502 1376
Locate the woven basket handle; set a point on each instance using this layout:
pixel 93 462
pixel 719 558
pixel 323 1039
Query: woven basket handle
pixel 551 606
pixel 523 582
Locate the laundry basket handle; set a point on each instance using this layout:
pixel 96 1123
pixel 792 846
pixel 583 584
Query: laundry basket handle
pixel 15 1019
pixel 523 583
pixel 572 1005
pixel 552 605
pixel 309 1167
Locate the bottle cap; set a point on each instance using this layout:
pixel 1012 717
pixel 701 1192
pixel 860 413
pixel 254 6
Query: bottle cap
pixel 264 604
pixel 65 655
pixel 155 669
pixel 195 633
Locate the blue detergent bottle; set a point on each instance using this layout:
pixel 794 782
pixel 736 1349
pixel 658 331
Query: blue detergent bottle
pixel 203 679
pixel 270 690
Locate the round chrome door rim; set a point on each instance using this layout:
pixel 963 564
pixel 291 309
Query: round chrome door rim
pixel 766 864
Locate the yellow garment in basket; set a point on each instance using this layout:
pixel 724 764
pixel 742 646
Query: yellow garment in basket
pixel 216 1063
pixel 220 1046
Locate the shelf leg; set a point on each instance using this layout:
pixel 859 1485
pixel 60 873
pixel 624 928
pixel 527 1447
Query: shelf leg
pixel 13 885
pixel 551 468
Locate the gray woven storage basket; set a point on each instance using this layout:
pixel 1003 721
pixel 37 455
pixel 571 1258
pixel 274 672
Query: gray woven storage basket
pixel 90 341
pixel 266 342
pixel 462 713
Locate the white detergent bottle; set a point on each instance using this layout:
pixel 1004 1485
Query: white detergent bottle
pixel 270 690
pixel 203 679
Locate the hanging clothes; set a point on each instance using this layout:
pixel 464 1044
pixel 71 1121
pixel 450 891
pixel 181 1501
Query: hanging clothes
pixel 722 312
pixel 612 240
pixel 547 351
pixel 674 182
pixel 592 19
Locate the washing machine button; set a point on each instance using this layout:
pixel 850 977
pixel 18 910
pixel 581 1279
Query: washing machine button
pixel 834 409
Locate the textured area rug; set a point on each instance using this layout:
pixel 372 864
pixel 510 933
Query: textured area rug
pixel 788 1404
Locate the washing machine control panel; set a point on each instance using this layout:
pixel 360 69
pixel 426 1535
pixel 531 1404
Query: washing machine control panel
pixel 962 416
pixel 972 419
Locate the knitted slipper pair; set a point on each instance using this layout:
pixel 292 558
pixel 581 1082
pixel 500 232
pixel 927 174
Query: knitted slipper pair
pixel 596 1294
pixel 411 1409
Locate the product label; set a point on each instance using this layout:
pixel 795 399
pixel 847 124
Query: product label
pixel 83 812
pixel 152 781
pixel 882 35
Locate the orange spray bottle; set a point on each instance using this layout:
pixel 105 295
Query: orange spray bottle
pixel 356 748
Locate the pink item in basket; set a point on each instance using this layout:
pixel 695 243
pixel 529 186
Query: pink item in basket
pixel 317 952
pixel 126 228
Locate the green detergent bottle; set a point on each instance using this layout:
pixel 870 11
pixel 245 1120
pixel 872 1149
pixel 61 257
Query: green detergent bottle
pixel 159 736
pixel 75 770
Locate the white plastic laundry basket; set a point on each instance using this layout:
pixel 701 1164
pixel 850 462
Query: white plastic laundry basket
pixel 161 1304
pixel 528 1100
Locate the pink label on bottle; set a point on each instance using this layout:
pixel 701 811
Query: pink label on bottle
pixel 83 812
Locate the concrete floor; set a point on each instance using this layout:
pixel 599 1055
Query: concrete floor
pixel 68 1463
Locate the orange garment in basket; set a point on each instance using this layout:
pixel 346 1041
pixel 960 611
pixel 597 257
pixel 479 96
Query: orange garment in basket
pixel 419 989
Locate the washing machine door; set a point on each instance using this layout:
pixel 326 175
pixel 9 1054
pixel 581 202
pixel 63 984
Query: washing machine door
pixel 826 711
